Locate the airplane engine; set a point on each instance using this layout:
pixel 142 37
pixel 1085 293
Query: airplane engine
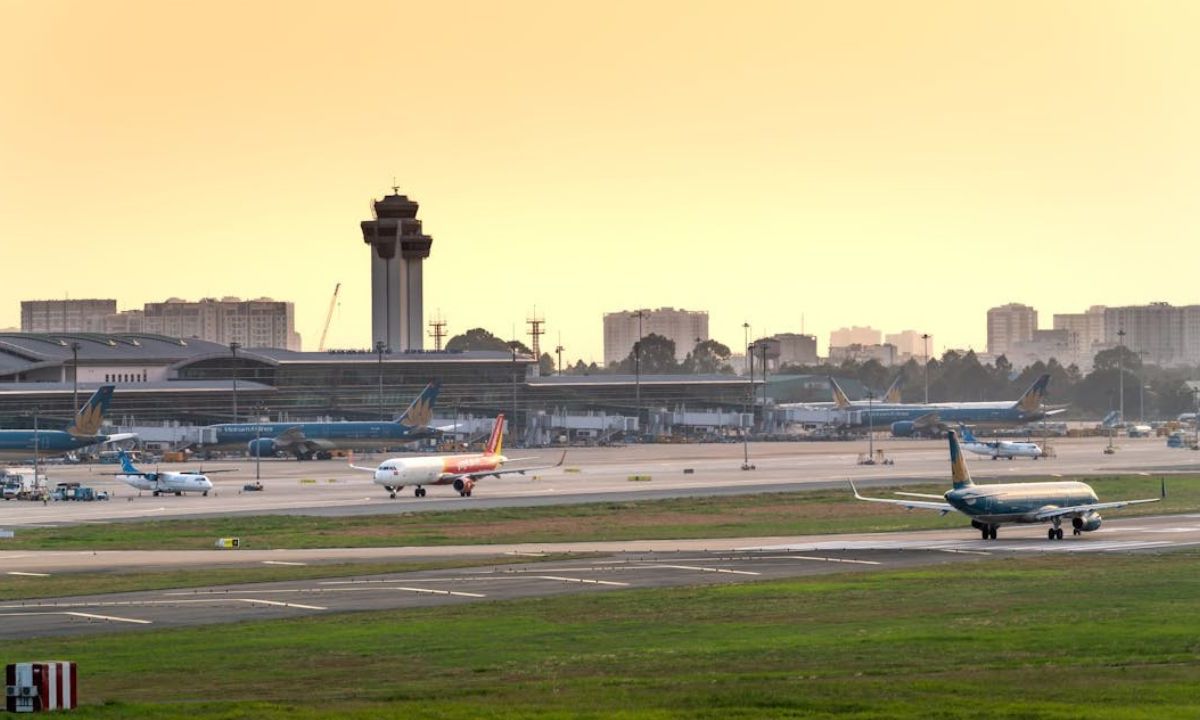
pixel 903 428
pixel 1087 523
pixel 263 447
pixel 464 487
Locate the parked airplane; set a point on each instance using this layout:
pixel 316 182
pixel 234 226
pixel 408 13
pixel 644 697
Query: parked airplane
pixel 82 433
pixel 308 440
pixel 167 481
pixel 998 448
pixel 461 471
pixel 990 506
pixel 907 419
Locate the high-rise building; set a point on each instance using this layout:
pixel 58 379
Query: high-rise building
pixel 686 327
pixel 910 344
pixel 1160 333
pixel 66 316
pixel 1008 325
pixel 1085 336
pixel 845 337
pixel 253 323
pixel 797 349
pixel 398 251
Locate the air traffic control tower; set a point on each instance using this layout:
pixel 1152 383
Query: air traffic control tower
pixel 398 250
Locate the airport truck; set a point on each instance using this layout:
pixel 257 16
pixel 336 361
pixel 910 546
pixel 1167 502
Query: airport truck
pixel 21 484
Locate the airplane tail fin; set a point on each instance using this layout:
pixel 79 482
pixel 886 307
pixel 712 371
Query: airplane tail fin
pixel 958 464
pixel 893 392
pixel 839 396
pixel 967 435
pixel 89 418
pixel 420 412
pixel 495 443
pixel 126 463
pixel 1031 399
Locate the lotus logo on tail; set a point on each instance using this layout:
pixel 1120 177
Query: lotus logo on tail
pixel 91 415
pixel 1031 401
pixel 420 413
pixel 958 464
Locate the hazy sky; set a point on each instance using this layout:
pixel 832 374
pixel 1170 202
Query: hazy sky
pixel 897 164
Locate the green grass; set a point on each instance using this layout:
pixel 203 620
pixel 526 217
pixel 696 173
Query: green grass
pixel 798 513
pixel 1108 637
pixel 86 583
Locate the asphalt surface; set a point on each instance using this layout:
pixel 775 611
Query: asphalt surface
pixel 330 488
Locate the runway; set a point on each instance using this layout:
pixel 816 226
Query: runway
pixel 589 475
pixel 618 566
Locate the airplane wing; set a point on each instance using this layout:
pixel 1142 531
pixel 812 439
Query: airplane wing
pixel 352 466
pixel 118 437
pixel 941 507
pixel 924 495
pixel 498 473
pixel 212 472
pixel 926 421
pixel 1051 513
pixel 292 435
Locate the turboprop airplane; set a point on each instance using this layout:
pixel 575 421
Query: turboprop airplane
pixel 998 448
pixel 21 444
pixel 461 471
pixel 167 481
pixel 990 506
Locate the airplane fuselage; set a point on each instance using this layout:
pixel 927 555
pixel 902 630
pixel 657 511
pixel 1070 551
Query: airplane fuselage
pixel 1018 502
pixel 168 482
pixel 349 435
pixel 1004 449
pixel 19 444
pixel 435 470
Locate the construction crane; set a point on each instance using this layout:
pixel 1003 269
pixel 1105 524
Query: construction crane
pixel 329 317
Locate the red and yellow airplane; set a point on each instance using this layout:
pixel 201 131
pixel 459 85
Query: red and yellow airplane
pixel 461 471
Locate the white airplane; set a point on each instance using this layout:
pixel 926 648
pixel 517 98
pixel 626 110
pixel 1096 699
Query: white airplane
pixel 174 483
pixel 999 448
pixel 461 471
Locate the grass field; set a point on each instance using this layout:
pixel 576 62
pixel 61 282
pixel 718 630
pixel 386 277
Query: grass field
pixel 1108 637
pixel 799 513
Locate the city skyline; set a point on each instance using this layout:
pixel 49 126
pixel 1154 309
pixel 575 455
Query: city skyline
pixel 758 165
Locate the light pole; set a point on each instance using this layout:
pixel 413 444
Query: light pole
pixel 513 420
pixel 233 348
pixel 379 347
pixel 925 337
pixel 870 427
pixel 763 347
pixel 1121 371
pixel 259 412
pixel 637 370
pixel 559 351
pixel 75 376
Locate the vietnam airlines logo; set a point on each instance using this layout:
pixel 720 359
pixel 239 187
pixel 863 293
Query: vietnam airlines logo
pixel 420 413
pixel 88 421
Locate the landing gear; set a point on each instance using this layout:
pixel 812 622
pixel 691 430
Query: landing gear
pixel 419 492
pixel 1076 531
pixel 391 491
pixel 988 532
pixel 205 493
pixel 1056 533
pixel 464 493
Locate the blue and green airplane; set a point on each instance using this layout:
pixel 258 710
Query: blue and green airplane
pixel 81 433
pixel 308 440
pixel 990 506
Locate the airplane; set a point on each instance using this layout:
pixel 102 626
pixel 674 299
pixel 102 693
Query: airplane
pixel 461 471
pixel 891 396
pixel 990 506
pixel 81 433
pixel 998 448
pixel 908 419
pixel 166 481
pixel 308 440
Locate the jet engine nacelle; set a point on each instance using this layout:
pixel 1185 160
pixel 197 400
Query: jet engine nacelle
pixel 1087 523
pixel 464 485
pixel 263 447
pixel 903 428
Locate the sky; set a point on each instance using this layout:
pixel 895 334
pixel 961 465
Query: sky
pixel 794 165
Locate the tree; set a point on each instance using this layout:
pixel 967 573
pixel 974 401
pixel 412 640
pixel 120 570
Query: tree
pixel 657 357
pixel 1111 359
pixel 476 339
pixel 545 365
pixel 708 358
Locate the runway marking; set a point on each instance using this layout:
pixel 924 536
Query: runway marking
pixel 587 581
pixel 113 618
pixel 280 604
pixel 832 560
pixel 282 562
pixel 28 574
pixel 431 591
pixel 705 569
pixel 1188 528
pixel 963 552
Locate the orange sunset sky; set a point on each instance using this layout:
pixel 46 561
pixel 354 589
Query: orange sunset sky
pixel 894 164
